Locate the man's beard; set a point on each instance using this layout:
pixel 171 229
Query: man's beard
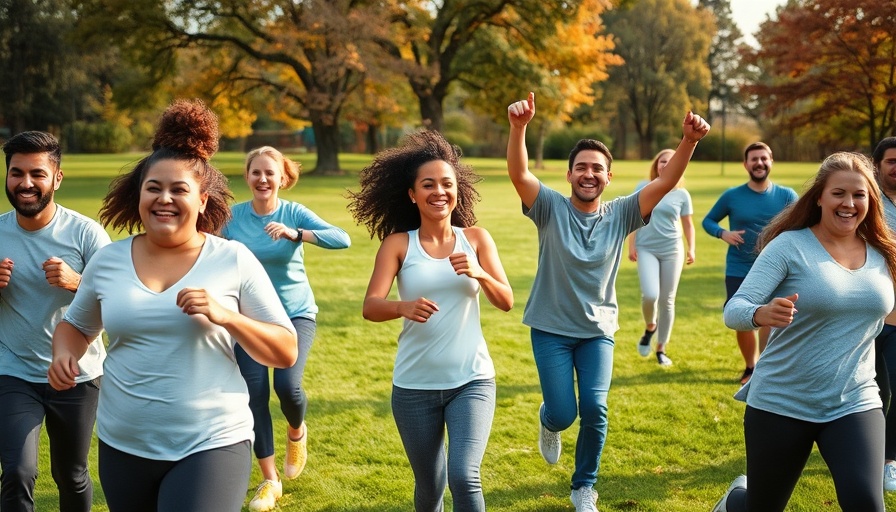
pixel 33 209
pixel 759 179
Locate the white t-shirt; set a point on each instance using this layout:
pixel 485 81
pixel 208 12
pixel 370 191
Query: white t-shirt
pixel 172 386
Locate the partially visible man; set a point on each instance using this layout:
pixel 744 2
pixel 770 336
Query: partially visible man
pixel 884 160
pixel 45 248
pixel 748 207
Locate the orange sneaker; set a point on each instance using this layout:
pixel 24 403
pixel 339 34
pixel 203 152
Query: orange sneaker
pixel 266 496
pixel 296 455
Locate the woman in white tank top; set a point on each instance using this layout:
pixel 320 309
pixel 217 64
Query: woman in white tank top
pixel 418 199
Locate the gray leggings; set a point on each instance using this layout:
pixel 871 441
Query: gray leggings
pixel 210 481
pixel 659 276
pixel 422 417
pixel 778 448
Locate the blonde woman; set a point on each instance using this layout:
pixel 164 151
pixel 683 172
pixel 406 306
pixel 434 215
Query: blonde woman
pixel 658 250
pixel 276 231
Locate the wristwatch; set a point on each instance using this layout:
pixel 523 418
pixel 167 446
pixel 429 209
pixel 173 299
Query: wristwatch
pixel 299 233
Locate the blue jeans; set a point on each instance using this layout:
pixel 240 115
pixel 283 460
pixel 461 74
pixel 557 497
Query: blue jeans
pixel 69 415
pixel 287 385
pixel 422 416
pixel 562 360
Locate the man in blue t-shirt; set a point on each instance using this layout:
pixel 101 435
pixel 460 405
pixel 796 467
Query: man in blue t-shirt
pixel 749 207
pixel 44 250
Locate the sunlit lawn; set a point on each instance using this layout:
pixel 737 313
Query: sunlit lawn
pixel 675 439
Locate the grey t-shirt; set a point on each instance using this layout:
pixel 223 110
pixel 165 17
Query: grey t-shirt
pixel 574 293
pixel 30 307
pixel 821 366
pixel 663 235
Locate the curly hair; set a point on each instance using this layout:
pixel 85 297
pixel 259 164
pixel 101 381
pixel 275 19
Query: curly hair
pixel 187 132
pixel 289 169
pixel 383 204
pixel 806 212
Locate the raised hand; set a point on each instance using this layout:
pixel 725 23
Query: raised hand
pixel 521 112
pixel 694 127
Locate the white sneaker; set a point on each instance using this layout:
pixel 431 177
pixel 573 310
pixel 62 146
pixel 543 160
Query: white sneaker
pixel 644 343
pixel 738 483
pixel 548 442
pixel 890 476
pixel 266 496
pixel 584 499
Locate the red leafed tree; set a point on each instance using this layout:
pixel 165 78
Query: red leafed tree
pixel 830 65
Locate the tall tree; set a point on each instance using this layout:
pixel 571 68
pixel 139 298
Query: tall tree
pixel 432 40
pixel 308 54
pixel 561 68
pixel 726 69
pixel 665 45
pixel 46 80
pixel 831 64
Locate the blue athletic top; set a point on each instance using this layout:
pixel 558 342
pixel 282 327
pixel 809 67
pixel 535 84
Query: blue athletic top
pixel 750 211
pixel 284 260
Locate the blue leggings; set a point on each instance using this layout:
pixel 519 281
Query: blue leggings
pixel 287 385
pixel 561 361
pixel 422 416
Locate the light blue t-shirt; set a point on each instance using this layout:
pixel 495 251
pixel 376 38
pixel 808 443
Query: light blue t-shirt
pixel 29 307
pixel 448 350
pixel 284 260
pixel 172 386
pixel 662 236
pixel 821 366
pixel 750 211
pixel 574 292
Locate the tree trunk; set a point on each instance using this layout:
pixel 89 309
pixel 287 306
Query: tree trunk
pixel 539 145
pixel 431 112
pixel 373 141
pixel 326 135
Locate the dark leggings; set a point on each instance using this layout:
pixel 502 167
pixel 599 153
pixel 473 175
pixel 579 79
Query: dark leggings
pixel 885 346
pixel 287 385
pixel 209 481
pixel 778 448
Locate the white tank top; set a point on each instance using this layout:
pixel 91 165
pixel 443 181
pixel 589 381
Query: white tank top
pixel 448 350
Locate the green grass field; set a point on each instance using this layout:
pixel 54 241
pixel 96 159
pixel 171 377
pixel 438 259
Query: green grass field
pixel 675 439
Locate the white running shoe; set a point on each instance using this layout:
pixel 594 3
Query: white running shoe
pixel 644 343
pixel 890 476
pixel 738 483
pixel 584 499
pixel 548 442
